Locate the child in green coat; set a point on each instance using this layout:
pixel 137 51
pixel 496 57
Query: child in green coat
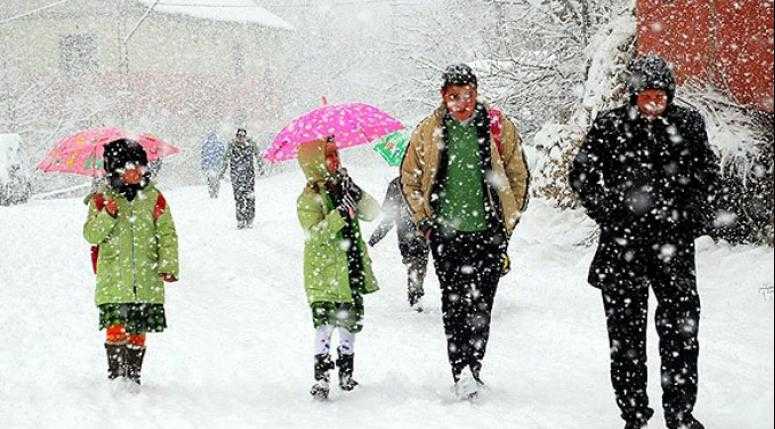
pixel 337 268
pixel 136 245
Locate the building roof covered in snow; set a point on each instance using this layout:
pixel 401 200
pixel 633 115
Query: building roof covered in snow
pixel 246 11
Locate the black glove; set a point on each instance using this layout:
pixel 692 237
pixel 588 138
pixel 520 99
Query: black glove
pixel 349 187
pixel 347 208
pixel 505 264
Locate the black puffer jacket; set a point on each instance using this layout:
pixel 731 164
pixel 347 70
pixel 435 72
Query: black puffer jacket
pixel 646 182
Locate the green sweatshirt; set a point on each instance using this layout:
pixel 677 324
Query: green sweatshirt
pixel 462 202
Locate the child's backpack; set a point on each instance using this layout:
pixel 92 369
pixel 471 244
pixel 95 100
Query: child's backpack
pixel 99 204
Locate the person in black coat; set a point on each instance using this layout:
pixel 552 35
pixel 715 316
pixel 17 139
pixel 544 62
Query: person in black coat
pixel 413 248
pixel 242 156
pixel 646 174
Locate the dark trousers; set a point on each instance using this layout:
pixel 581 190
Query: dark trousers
pixel 213 185
pixel 245 198
pixel 416 266
pixel 468 267
pixel 677 322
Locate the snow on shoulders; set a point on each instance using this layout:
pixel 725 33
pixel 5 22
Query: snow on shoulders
pixel 245 11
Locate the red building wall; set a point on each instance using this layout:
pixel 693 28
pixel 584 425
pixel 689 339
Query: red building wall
pixel 728 43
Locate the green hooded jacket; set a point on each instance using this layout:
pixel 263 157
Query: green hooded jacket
pixel 326 277
pixel 135 247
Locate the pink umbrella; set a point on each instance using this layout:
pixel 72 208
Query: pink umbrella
pixel 350 124
pixel 81 153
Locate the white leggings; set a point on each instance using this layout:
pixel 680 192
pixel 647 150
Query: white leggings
pixel 323 340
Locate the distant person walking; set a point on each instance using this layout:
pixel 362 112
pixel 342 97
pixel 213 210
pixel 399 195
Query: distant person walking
pixel 241 159
pixel 213 152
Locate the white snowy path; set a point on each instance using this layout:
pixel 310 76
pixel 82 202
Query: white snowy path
pixel 237 352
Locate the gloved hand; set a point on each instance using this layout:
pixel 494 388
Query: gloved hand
pixel 111 207
pixel 349 187
pixel 167 277
pixel 505 264
pixel 348 207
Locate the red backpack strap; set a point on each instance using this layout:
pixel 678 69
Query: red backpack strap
pixel 496 128
pixel 159 207
pixel 99 201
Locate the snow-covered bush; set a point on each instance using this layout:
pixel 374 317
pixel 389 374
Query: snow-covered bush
pixel 607 55
pixel 540 54
pixel 14 178
pixel 555 145
pixel 743 140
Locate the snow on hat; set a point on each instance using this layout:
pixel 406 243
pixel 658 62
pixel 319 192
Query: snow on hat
pixel 458 75
pixel 651 72
pixel 119 152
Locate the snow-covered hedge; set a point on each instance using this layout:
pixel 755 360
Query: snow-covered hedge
pixel 607 55
pixel 14 178
pixel 743 140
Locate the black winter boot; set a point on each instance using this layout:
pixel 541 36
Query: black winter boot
pixel 346 364
pixel 134 363
pixel 476 370
pixel 687 421
pixel 323 364
pixel 116 360
pixel 636 424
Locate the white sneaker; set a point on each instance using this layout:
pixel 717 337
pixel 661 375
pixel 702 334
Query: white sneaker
pixel 117 386
pixel 122 386
pixel 133 388
pixel 466 387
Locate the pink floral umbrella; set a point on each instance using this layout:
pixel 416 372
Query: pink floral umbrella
pixel 350 124
pixel 81 153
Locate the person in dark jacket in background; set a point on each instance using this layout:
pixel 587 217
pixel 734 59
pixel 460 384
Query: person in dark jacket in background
pixel 646 174
pixel 241 158
pixel 413 247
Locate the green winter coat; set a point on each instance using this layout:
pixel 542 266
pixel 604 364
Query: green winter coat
pixel 326 277
pixel 134 248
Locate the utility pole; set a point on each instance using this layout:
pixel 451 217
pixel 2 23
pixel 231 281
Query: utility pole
pixel 123 42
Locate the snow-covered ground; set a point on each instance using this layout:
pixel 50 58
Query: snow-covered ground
pixel 238 349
